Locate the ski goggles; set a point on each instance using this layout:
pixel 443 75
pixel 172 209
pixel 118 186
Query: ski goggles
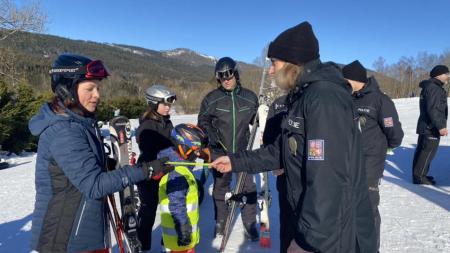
pixel 225 75
pixel 165 100
pixel 170 100
pixel 203 153
pixel 93 70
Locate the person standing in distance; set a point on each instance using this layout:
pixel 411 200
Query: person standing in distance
pixel 432 123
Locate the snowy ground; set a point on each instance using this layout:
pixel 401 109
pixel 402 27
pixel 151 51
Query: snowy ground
pixel 415 218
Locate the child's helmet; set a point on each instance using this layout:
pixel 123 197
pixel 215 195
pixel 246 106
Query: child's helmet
pixel 189 138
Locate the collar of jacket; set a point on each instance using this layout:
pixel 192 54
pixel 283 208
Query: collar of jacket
pixel 87 121
pixel 370 86
pixel 158 117
pixel 235 90
pixel 437 81
pixel 309 68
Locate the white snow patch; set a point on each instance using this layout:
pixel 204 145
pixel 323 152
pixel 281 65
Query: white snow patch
pixel 415 218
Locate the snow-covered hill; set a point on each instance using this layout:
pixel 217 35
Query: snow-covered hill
pixel 415 218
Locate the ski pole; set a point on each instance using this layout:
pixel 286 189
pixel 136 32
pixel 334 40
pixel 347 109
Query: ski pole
pixel 189 163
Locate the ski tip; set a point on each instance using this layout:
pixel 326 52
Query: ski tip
pixel 264 240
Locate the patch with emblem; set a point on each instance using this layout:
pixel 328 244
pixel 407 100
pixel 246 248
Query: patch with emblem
pixel 316 150
pixel 292 145
pixel 388 122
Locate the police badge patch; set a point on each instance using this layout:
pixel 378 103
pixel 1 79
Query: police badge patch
pixel 388 122
pixel 316 150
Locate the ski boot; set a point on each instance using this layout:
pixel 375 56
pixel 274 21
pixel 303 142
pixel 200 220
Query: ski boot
pixel 218 229
pixel 251 233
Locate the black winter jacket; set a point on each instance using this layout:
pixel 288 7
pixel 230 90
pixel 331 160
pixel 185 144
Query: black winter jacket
pixel 274 119
pixel 226 115
pixel 320 151
pixel 152 136
pixel 380 126
pixel 433 108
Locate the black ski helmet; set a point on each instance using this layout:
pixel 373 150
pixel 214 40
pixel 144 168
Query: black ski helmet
pixel 188 138
pixel 226 68
pixel 70 69
pixel 159 93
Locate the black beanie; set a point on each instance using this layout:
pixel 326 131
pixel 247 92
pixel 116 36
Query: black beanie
pixel 438 70
pixel 296 45
pixel 355 71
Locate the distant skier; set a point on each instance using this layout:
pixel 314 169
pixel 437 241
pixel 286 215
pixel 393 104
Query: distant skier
pixel 152 136
pixel 432 123
pixel 225 115
pixel 71 179
pixel 178 190
pixel 380 127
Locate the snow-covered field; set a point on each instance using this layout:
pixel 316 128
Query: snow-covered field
pixel 415 218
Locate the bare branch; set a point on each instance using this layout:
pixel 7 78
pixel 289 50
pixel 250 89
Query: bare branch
pixel 29 18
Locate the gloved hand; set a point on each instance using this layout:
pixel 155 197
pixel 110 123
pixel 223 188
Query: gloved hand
pixel 111 163
pixel 184 234
pixel 156 169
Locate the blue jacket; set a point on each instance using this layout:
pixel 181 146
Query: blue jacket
pixel 71 184
pixel 177 189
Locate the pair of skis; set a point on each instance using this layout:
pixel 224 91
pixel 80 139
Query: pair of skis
pixel 125 226
pixel 233 198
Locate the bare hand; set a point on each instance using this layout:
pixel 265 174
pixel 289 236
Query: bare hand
pixel 278 172
pixel 222 164
pixel 294 248
pixel 443 132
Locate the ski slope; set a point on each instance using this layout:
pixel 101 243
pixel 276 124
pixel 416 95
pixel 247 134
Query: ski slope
pixel 415 218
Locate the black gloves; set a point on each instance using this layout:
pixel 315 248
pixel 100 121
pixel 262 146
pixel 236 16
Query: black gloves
pixel 184 234
pixel 156 169
pixel 111 163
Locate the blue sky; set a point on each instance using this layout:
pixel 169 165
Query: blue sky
pixel 347 30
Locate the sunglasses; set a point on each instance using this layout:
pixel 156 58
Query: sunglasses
pixel 93 70
pixel 225 75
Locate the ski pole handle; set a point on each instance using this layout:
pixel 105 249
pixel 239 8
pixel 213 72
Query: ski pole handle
pixel 189 164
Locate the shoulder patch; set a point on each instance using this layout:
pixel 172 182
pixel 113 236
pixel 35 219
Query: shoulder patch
pixel 316 150
pixel 388 122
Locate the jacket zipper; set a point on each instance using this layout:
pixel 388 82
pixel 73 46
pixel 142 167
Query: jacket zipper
pixel 81 217
pixel 234 121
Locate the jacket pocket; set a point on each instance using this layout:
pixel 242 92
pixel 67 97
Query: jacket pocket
pixel 295 133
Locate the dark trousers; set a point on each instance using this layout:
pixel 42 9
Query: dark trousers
pixel 374 196
pixel 222 185
pixel 425 151
pixel 287 227
pixel 148 195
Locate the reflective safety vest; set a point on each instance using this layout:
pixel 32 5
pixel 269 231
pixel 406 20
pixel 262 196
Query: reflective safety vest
pixel 169 233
